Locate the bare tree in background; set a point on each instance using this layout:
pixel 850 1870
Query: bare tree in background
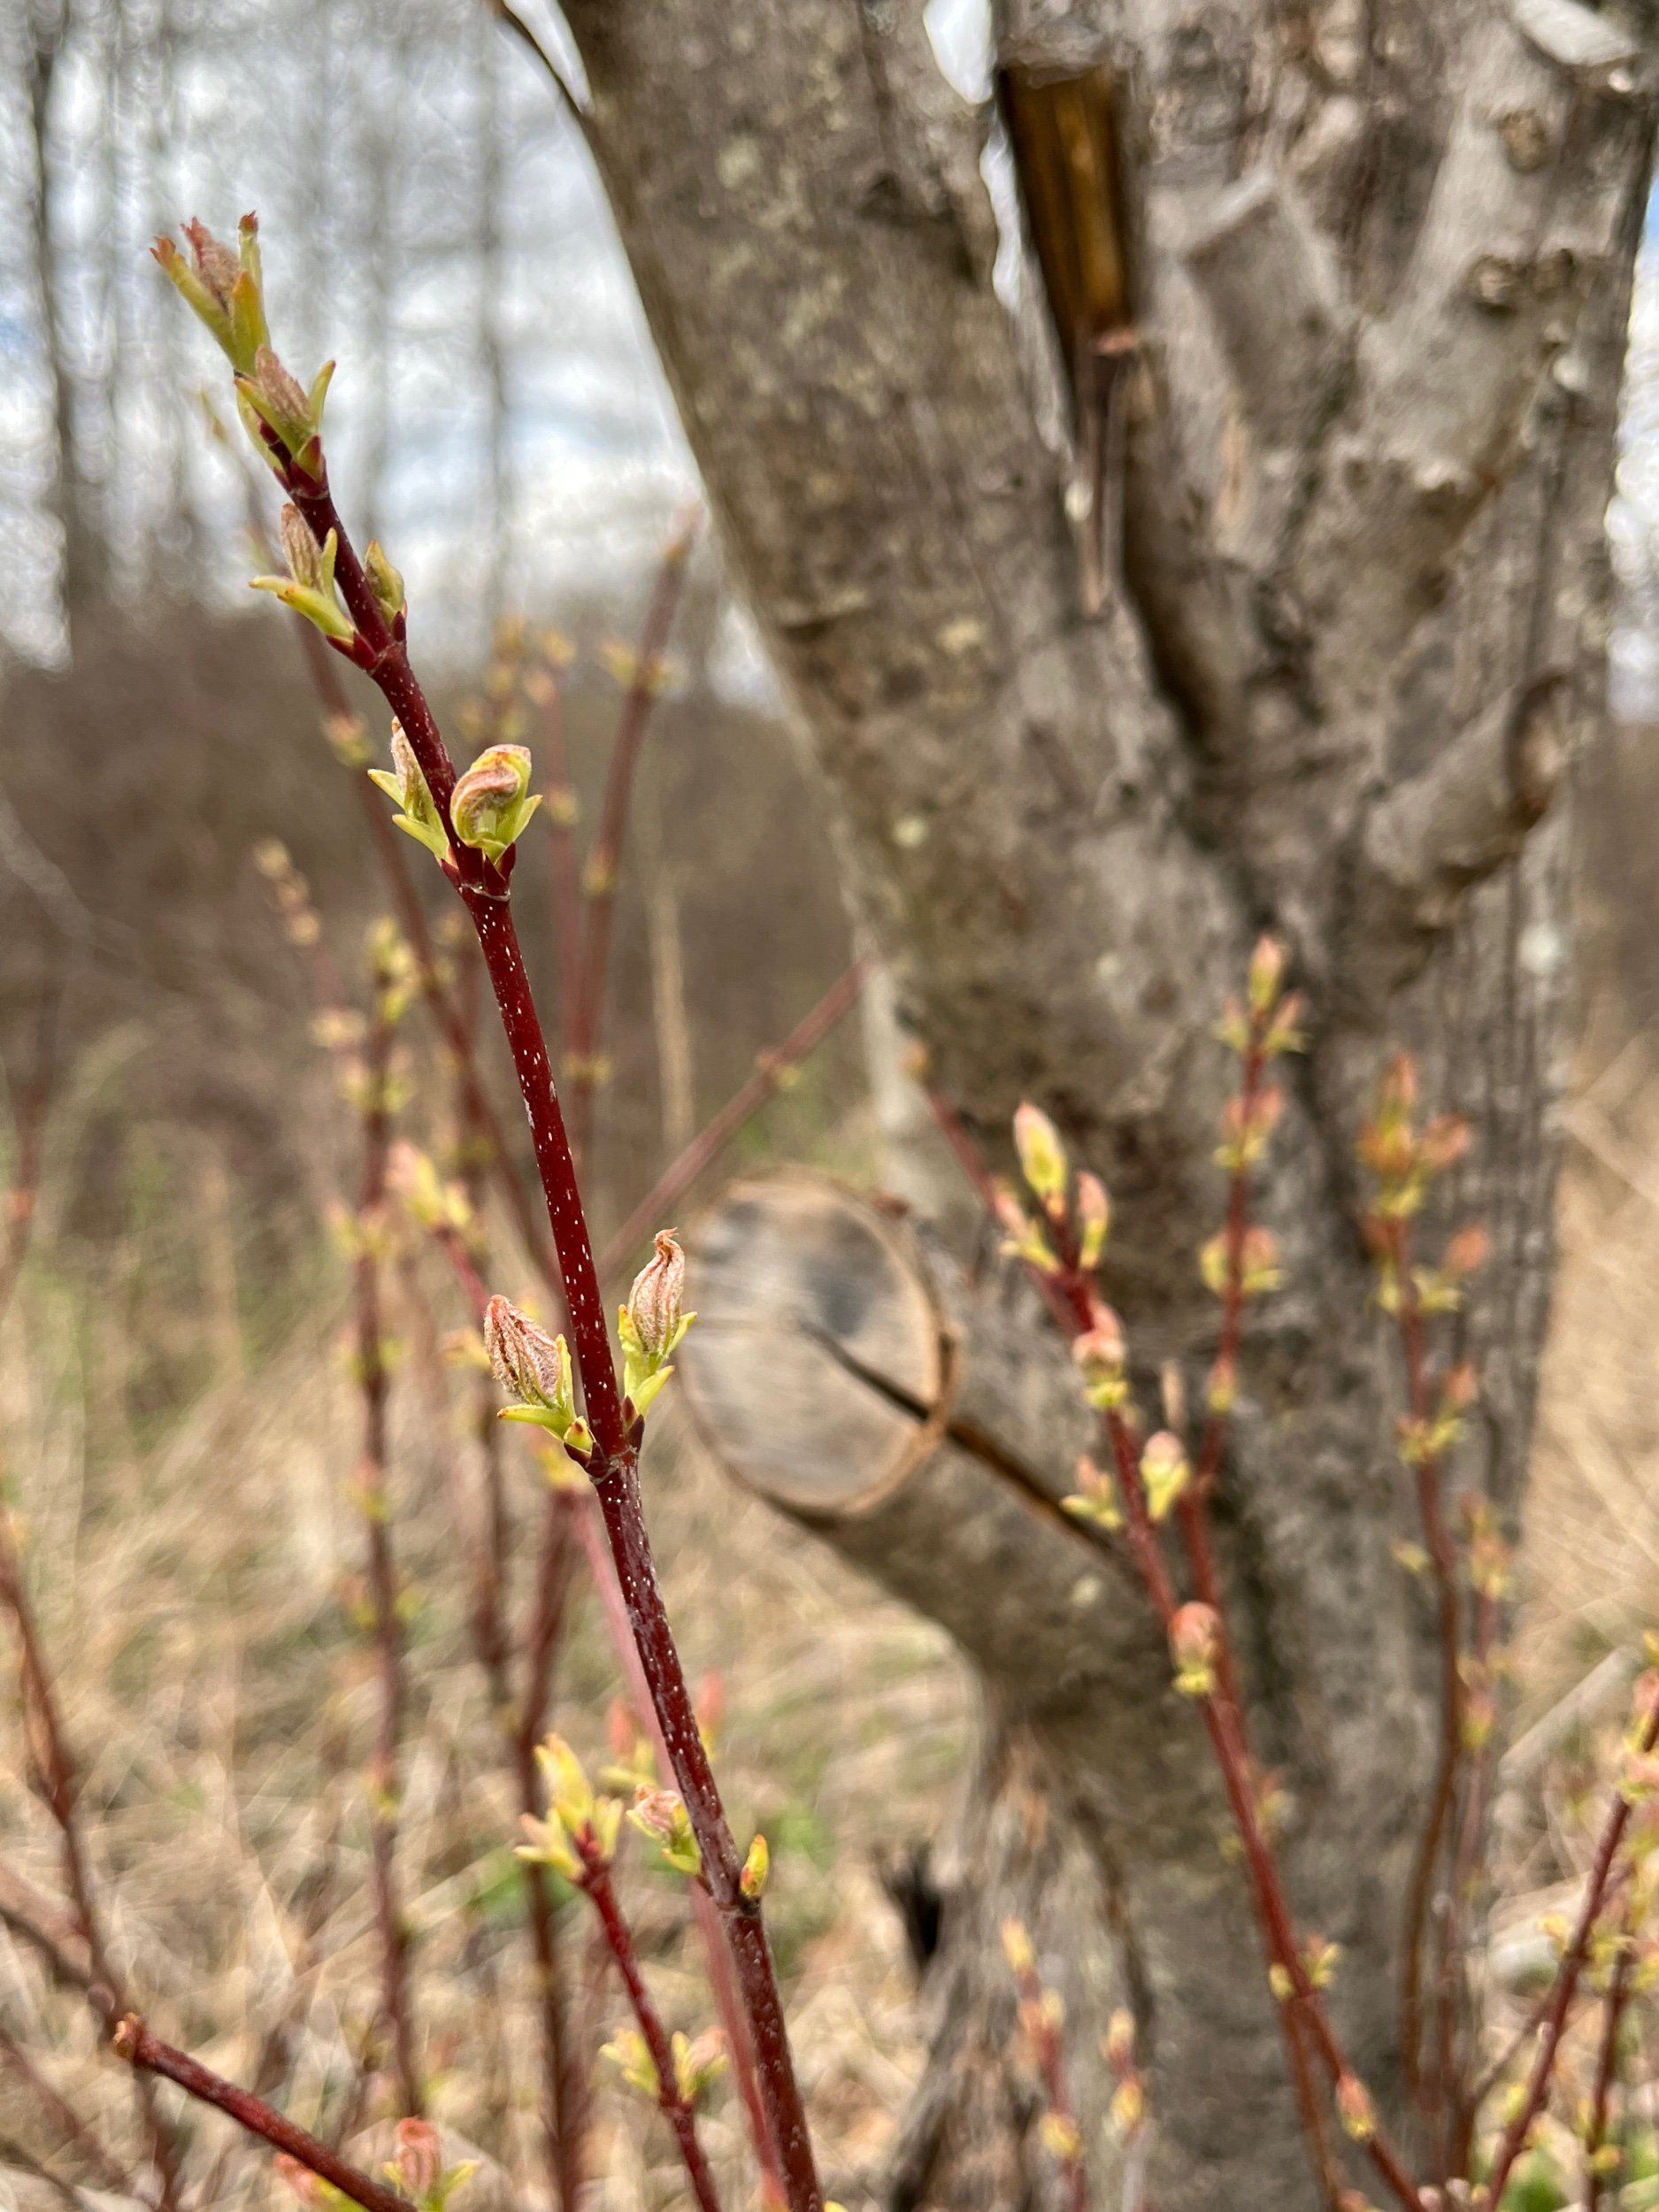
pixel 1380 261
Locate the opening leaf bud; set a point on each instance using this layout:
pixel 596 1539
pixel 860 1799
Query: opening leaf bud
pixel 1267 974
pixel 1094 1220
pixel 1354 2109
pixel 1164 1471
pixel 652 1324
pixel 1023 1238
pixel 405 785
pixel 309 586
pixel 699 2063
pixel 626 2051
pixel 1018 1948
pixel 1100 1354
pixel 534 1366
pixel 384 581
pixel 416 2162
pixel 492 802
pixel 1042 1160
pixel 1194 1647
pixel 756 1866
pixel 1095 1497
pixel 1058 2132
pixel 300 2182
pixel 224 289
pixel 661 1815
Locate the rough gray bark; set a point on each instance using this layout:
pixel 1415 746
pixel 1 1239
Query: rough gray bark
pixel 1382 260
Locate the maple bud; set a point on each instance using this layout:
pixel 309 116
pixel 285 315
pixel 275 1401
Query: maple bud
pixel 1466 1252
pixel 661 1815
pixel 654 1301
pixel 1100 1354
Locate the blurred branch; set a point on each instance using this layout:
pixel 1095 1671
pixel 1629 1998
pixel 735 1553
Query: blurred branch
pixel 54 1779
pixel 584 1040
pixel 771 1069
pixel 147 2055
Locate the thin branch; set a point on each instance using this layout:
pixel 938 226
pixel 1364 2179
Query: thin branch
pixel 661 1201
pixel 55 1782
pixel 373 1382
pixel 377 646
pixel 1572 1966
pixel 132 2040
pixel 585 1040
pixel 676 2107
pixel 389 851
pixel 1596 2139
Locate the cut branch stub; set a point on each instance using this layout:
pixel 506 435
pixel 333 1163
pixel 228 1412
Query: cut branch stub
pixel 819 1354
pixel 926 1428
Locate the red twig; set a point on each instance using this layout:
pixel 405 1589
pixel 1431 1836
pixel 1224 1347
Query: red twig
pixel 585 1039
pixel 1443 1560
pixel 377 646
pixel 412 919
pixel 148 2056
pixel 1044 2028
pixel 1607 2066
pixel 1571 1967
pixel 597 1884
pixel 660 1201
pixel 1070 1295
pixel 563 2087
pixel 373 1383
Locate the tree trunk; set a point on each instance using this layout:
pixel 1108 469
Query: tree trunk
pixel 1350 645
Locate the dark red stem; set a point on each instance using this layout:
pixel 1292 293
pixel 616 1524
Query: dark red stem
pixel 1607 2066
pixel 149 2057
pixel 614 1463
pixel 1051 2059
pixel 1443 1560
pixel 680 2118
pixel 1568 1973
